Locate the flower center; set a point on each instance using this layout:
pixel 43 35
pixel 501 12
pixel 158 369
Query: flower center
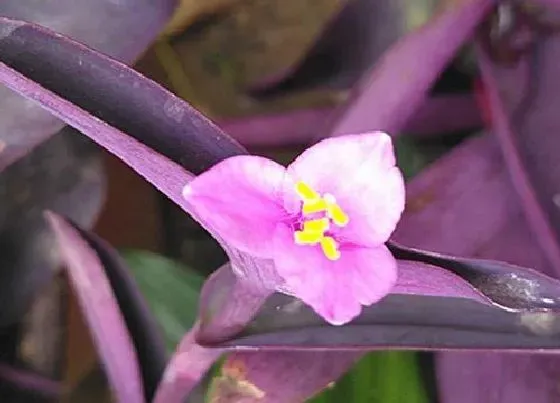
pixel 314 230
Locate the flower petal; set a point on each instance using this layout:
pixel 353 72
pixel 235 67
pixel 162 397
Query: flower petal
pixel 334 289
pixel 360 172
pixel 239 200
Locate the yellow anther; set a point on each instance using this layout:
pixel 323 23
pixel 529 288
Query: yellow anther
pixel 330 248
pixel 335 212
pixel 338 215
pixel 319 225
pixel 305 192
pixel 314 206
pixel 307 238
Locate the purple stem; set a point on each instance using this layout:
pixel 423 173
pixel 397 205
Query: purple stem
pixel 26 380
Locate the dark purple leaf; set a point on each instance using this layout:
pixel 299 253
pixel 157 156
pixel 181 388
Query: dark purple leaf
pixel 507 285
pixel 121 29
pixel 514 308
pixel 141 324
pixel 402 322
pixel 101 311
pixel 99 88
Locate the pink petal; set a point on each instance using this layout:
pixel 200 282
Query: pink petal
pixel 360 172
pixel 336 290
pixel 239 199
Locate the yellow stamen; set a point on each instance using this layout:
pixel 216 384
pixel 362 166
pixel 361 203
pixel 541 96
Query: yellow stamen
pixel 305 192
pixel 330 248
pixel 319 225
pixel 338 215
pixel 307 238
pixel 335 212
pixel 314 206
pixel 313 231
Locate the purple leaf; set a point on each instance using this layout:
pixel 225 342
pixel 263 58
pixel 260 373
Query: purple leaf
pixel 521 124
pixel 109 91
pixel 490 377
pixel 121 29
pixel 514 308
pixel 278 376
pixel 140 322
pixel 438 115
pixel 398 83
pixel 523 102
pixel 227 304
pixel 506 285
pixel 450 192
pixel 101 311
pixel 402 322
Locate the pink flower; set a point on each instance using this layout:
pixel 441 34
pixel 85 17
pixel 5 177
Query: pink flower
pixel 323 220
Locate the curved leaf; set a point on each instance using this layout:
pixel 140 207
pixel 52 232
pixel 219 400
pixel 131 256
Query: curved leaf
pixel 120 29
pixel 98 89
pixel 505 307
pixel 398 84
pixel 522 121
pixel 101 310
pixel 523 100
pixel 402 321
pixel 438 115
pixel 139 320
pixel 510 286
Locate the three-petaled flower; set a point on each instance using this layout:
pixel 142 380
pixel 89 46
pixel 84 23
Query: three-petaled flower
pixel 323 220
